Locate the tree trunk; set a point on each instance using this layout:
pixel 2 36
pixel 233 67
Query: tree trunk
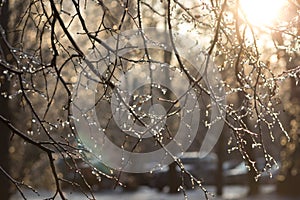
pixel 252 184
pixel 289 178
pixel 173 179
pixel 221 154
pixel 4 131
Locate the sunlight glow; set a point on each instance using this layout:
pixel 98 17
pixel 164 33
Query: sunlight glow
pixel 262 12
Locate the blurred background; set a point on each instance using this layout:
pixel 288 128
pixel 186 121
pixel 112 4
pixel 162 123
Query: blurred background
pixel 255 46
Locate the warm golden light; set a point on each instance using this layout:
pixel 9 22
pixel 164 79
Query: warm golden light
pixel 262 12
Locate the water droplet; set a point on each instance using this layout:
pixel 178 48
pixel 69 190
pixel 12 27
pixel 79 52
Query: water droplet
pixel 152 67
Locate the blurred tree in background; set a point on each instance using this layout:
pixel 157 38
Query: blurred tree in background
pixel 43 48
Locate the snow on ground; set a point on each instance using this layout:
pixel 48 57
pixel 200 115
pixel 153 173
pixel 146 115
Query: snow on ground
pixel 144 193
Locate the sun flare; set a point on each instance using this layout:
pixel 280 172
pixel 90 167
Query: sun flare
pixel 262 12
